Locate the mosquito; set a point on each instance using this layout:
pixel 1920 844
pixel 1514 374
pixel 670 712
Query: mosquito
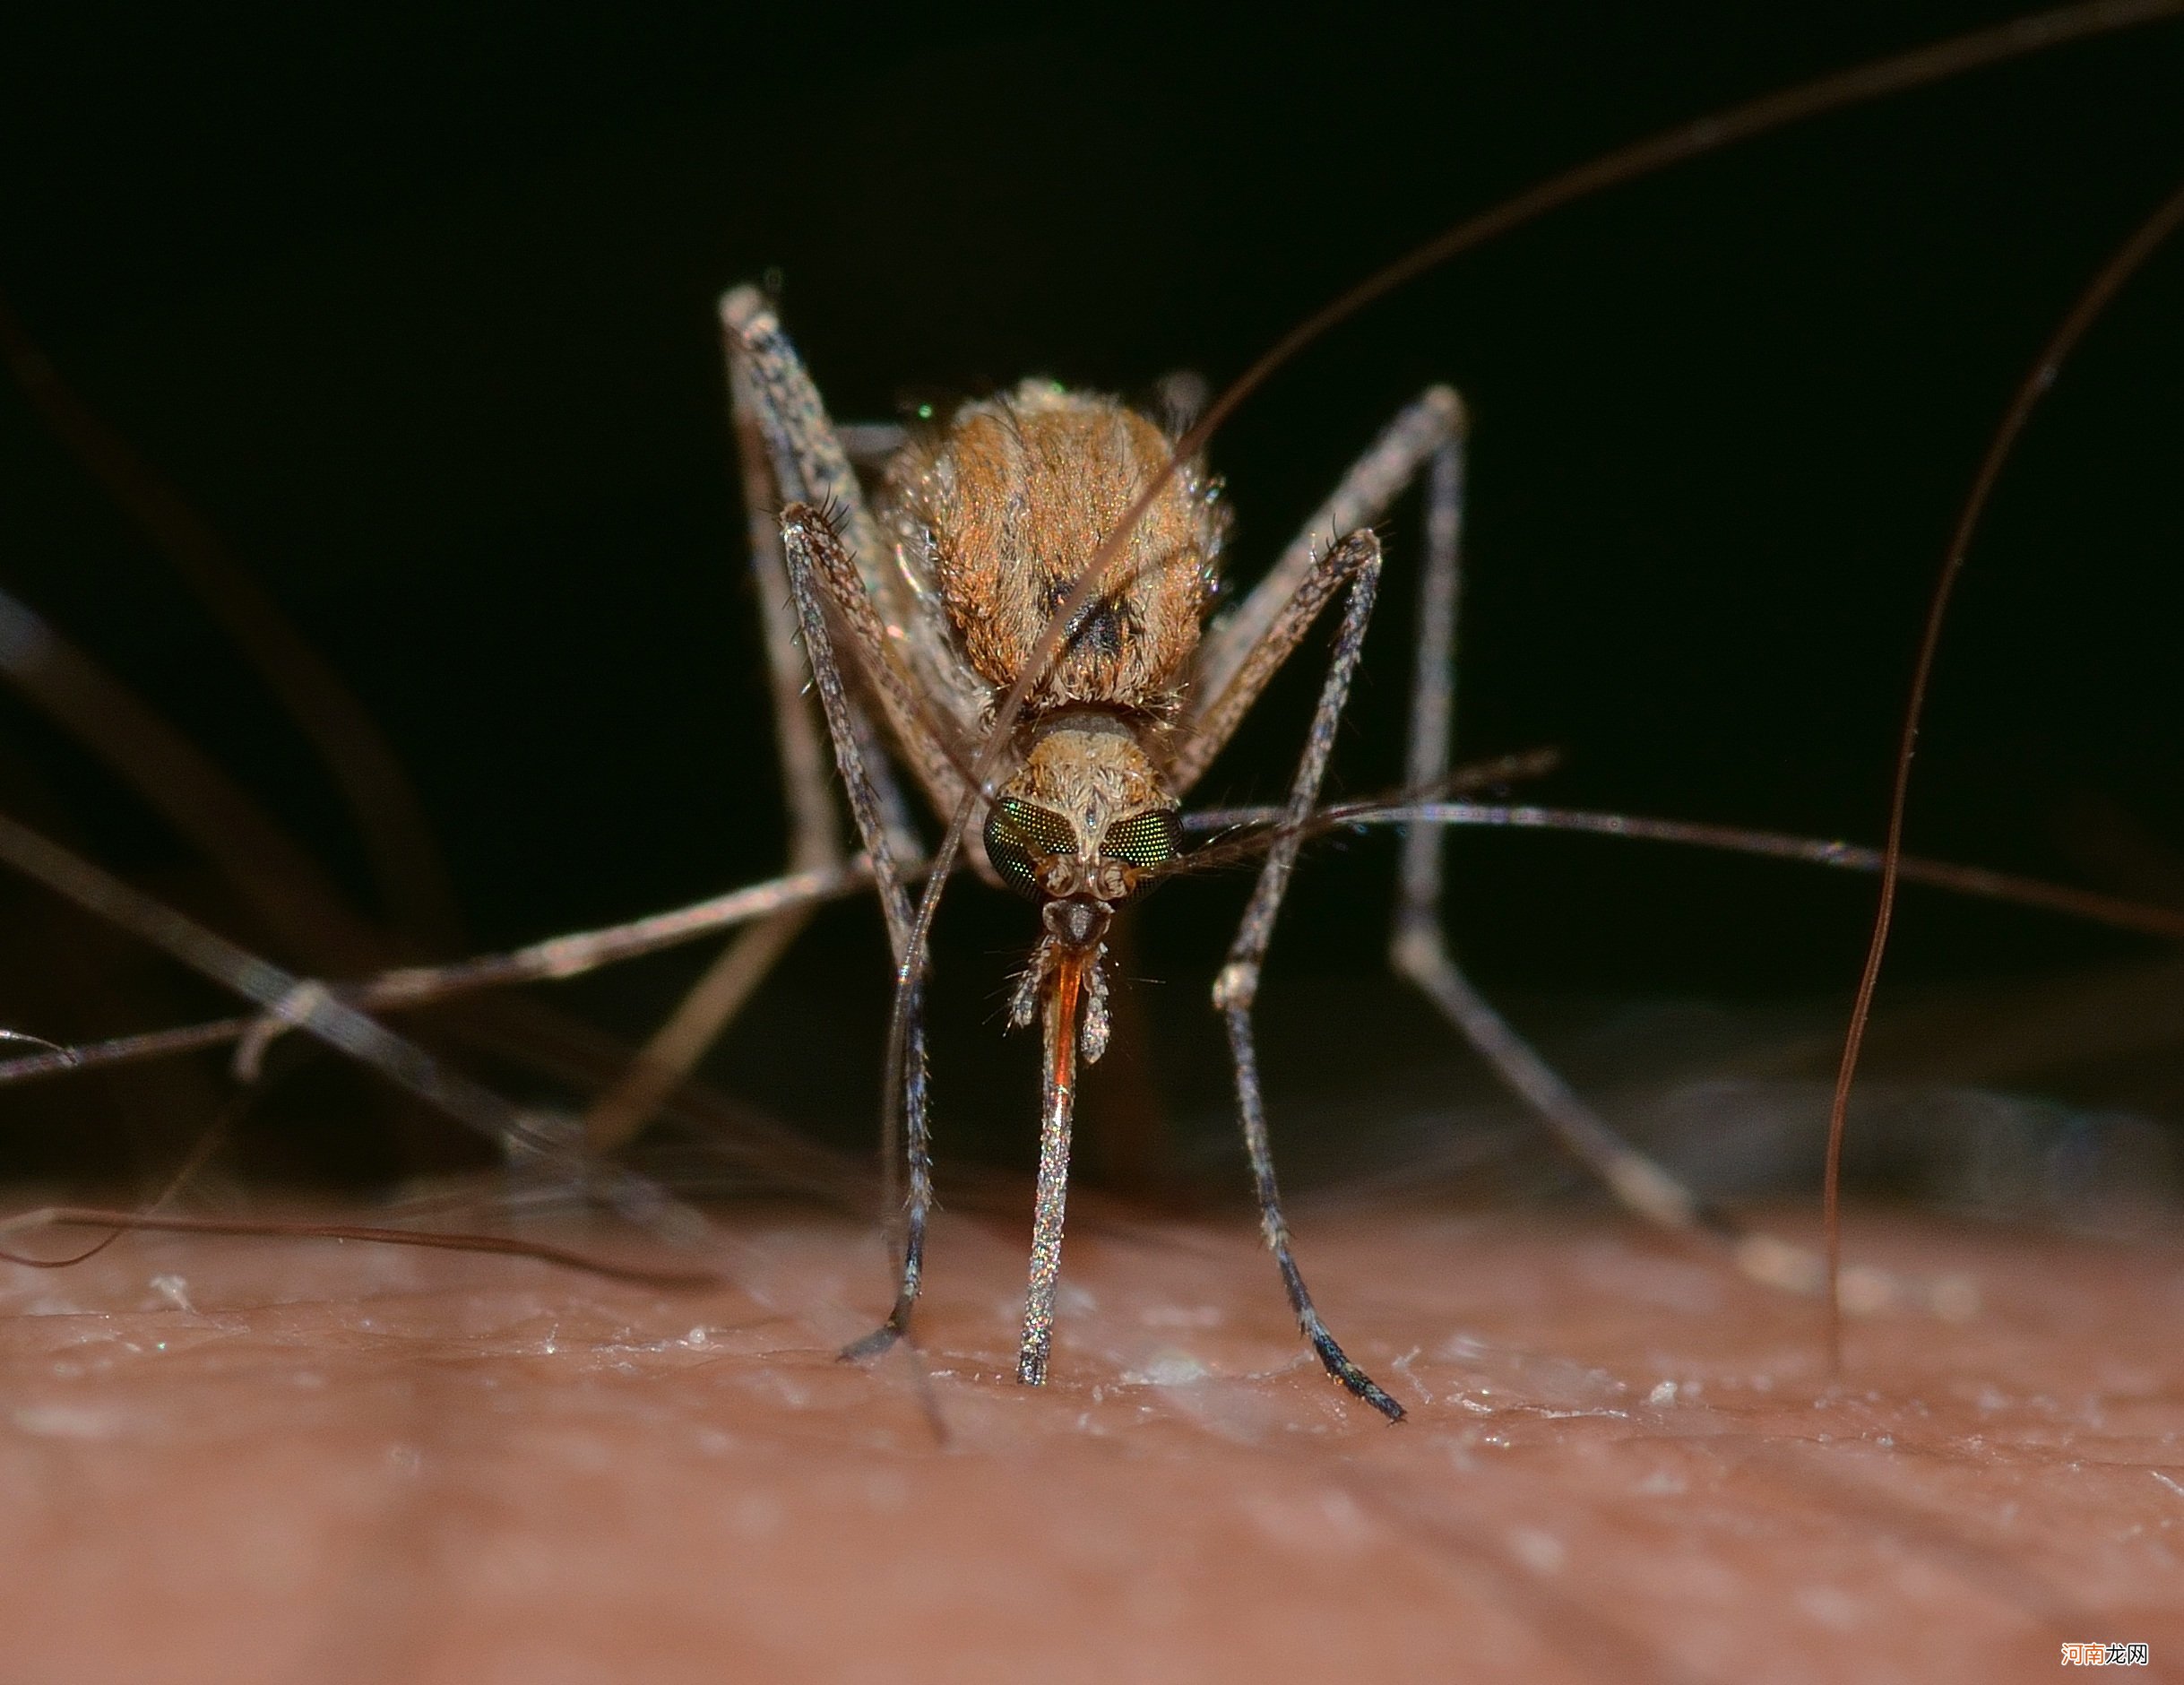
pixel 919 608
pixel 1013 609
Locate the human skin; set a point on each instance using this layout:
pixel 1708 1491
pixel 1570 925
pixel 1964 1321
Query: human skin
pixel 248 1459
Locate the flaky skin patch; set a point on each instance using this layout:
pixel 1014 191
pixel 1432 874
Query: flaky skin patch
pixel 1005 509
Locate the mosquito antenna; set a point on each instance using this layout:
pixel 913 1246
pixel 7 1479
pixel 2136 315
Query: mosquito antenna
pixel 2113 910
pixel 564 956
pixel 2082 314
pixel 1254 830
pixel 1898 73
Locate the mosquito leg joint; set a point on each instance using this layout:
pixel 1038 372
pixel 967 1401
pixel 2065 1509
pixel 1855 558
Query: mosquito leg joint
pixel 1236 987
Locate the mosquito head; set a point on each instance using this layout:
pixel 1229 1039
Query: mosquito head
pixel 1082 821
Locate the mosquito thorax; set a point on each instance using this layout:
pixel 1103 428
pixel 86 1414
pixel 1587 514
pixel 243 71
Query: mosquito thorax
pixel 998 511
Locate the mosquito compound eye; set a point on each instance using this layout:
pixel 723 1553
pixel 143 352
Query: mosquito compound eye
pixel 1144 840
pixel 1021 838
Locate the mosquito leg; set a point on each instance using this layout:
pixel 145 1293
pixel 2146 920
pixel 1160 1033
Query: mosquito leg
pixel 1419 950
pixel 815 838
pixel 1357 561
pixel 1259 636
pixel 1245 649
pixel 809 461
pixel 786 449
pixel 819 574
pixel 677 1048
pixel 903 839
pixel 811 466
pixel 790 453
pixel 815 831
pixel 302 1003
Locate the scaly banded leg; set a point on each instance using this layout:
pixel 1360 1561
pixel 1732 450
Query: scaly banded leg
pixel 918 681
pixel 1428 435
pixel 821 574
pixel 1355 561
pixel 788 451
pixel 815 837
pixel 1419 950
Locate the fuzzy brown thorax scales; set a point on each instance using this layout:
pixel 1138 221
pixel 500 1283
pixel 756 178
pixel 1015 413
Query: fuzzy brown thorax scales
pixel 997 515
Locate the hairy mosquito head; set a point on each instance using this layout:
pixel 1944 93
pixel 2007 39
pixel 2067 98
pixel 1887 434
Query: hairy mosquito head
pixel 1083 819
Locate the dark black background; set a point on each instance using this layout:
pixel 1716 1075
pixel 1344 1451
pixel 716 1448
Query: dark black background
pixel 416 309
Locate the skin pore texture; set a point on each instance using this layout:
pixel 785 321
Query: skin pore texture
pixel 272 1460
